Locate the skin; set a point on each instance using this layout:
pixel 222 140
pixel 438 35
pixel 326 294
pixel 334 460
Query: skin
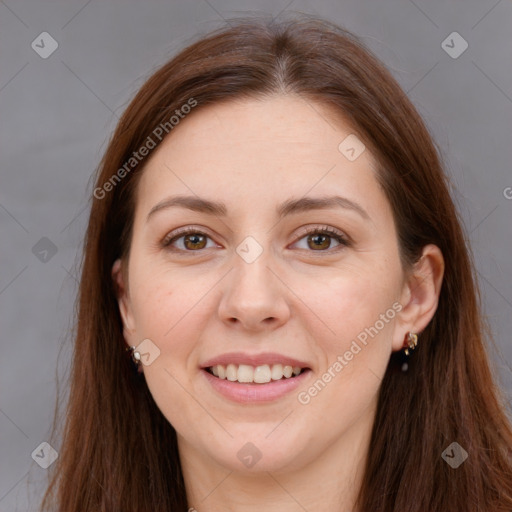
pixel 294 299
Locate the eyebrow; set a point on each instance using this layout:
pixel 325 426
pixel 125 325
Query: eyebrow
pixel 289 207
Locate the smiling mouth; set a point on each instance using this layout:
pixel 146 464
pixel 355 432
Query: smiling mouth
pixel 248 374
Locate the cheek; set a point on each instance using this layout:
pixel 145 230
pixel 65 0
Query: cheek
pixel 358 306
pixel 162 311
pixel 173 308
pixel 164 301
pixel 168 311
pixel 342 303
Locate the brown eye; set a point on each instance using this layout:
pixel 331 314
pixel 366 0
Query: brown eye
pixel 317 240
pixel 321 240
pixel 195 241
pixel 186 240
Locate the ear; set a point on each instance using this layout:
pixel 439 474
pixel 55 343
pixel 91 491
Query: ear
pixel 119 277
pixel 420 295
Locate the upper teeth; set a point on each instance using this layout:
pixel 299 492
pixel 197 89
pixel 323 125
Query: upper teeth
pixel 259 374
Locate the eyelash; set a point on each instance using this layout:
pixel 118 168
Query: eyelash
pixel 326 230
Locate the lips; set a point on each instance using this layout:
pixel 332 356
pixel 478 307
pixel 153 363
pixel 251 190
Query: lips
pixel 254 369
pixel 253 392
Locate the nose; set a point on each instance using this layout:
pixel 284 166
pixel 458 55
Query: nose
pixel 254 298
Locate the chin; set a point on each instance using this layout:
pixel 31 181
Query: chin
pixel 256 454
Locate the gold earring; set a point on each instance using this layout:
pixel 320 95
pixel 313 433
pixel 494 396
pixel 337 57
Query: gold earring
pixel 412 341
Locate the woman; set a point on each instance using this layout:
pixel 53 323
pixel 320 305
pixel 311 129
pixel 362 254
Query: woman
pixel 273 245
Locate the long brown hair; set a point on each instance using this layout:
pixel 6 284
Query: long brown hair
pixel 119 452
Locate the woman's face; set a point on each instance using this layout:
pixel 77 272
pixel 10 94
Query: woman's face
pixel 264 280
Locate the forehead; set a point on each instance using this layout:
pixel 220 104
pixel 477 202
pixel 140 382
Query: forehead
pixel 288 125
pixel 259 150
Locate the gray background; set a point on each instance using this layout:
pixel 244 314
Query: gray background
pixel 57 114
